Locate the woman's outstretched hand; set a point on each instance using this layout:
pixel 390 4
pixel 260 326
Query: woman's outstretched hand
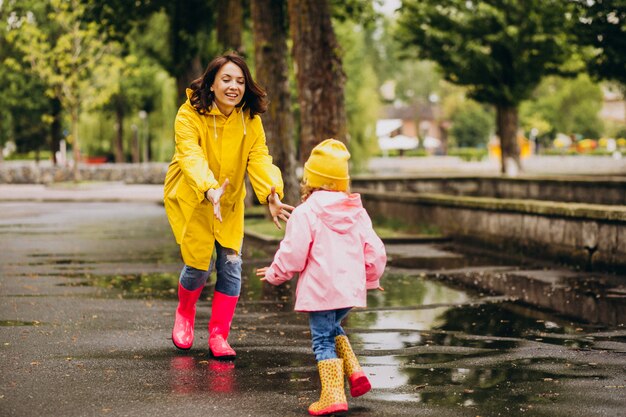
pixel 214 195
pixel 260 272
pixel 278 210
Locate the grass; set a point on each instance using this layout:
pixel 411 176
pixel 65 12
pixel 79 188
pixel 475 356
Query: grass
pixel 384 227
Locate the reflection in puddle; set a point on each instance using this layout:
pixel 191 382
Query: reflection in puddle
pixel 17 323
pixel 189 374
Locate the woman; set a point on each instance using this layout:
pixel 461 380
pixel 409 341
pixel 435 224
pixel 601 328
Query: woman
pixel 219 137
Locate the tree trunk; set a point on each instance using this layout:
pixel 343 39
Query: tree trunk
pixel 230 25
pixel 507 124
pixel 118 143
pixel 75 145
pixel 319 74
pixel 56 132
pixel 193 71
pixel 270 54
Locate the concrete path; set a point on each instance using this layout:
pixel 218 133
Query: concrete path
pixel 87 299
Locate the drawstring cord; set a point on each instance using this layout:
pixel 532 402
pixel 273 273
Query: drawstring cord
pixel 243 122
pixel 214 127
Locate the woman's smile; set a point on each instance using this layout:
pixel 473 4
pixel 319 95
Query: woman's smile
pixel 229 87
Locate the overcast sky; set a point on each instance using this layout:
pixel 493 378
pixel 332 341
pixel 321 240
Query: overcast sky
pixel 388 6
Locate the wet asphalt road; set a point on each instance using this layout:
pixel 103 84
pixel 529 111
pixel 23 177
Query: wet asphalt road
pixel 87 296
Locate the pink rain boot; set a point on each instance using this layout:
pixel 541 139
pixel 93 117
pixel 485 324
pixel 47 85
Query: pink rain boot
pixel 222 312
pixel 182 334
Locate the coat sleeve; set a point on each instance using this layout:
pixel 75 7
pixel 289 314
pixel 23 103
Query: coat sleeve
pixel 191 158
pixel 262 172
pixel 293 253
pixel 375 256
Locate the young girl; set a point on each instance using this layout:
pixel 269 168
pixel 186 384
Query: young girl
pixel 330 241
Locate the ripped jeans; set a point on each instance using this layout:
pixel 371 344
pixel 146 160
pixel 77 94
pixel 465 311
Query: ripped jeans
pixel 228 268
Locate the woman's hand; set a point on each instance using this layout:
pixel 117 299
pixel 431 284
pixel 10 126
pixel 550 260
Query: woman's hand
pixel 214 195
pixel 278 210
pixel 260 272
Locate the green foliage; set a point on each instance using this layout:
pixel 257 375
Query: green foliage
pixel 469 154
pixel 471 125
pixel 70 56
pixel 601 26
pixel 23 104
pixel 362 104
pixel 499 49
pixel 569 106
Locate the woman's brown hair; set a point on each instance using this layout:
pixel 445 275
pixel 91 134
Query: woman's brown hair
pixel 202 97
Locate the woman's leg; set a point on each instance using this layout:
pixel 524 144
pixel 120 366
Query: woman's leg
pixel 225 297
pixel 190 285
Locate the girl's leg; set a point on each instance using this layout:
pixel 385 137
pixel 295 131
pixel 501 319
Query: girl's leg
pixel 190 285
pixel 225 297
pixel 359 384
pixel 340 314
pixel 333 397
pixel 323 328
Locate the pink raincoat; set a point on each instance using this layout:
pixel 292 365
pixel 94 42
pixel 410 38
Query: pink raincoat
pixel 330 241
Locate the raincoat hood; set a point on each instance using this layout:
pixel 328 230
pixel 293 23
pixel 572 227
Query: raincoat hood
pixel 337 210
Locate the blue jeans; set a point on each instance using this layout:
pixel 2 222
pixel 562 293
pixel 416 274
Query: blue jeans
pixel 325 326
pixel 228 267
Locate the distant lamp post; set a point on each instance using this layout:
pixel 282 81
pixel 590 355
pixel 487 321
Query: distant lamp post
pixel 143 115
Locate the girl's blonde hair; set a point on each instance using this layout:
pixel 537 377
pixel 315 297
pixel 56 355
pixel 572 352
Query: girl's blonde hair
pixel 306 190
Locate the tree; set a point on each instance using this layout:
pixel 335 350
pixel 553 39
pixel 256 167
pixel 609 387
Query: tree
pixel 269 18
pixel 120 21
pixel 361 101
pixel 30 120
pixel 319 74
pixel 499 49
pixel 570 106
pixel 230 24
pixel 602 26
pixel 471 125
pixel 75 63
pixel 191 42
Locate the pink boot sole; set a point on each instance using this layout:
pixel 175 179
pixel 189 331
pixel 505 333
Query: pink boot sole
pixel 359 384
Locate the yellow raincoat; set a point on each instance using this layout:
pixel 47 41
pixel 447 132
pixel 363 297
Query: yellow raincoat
pixel 209 149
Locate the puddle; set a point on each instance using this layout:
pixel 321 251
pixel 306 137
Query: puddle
pixel 436 257
pixel 17 323
pixel 157 285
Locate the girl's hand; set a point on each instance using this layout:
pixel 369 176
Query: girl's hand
pixel 214 195
pixel 380 289
pixel 260 272
pixel 278 210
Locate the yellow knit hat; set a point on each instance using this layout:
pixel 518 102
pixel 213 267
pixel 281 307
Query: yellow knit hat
pixel 327 167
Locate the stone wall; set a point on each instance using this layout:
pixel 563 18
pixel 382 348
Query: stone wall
pixel 583 234
pixel 592 190
pixel 46 173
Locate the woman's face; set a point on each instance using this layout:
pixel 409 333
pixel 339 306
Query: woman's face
pixel 229 86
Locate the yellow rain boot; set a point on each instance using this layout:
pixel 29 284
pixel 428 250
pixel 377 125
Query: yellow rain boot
pixel 333 397
pixel 359 384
